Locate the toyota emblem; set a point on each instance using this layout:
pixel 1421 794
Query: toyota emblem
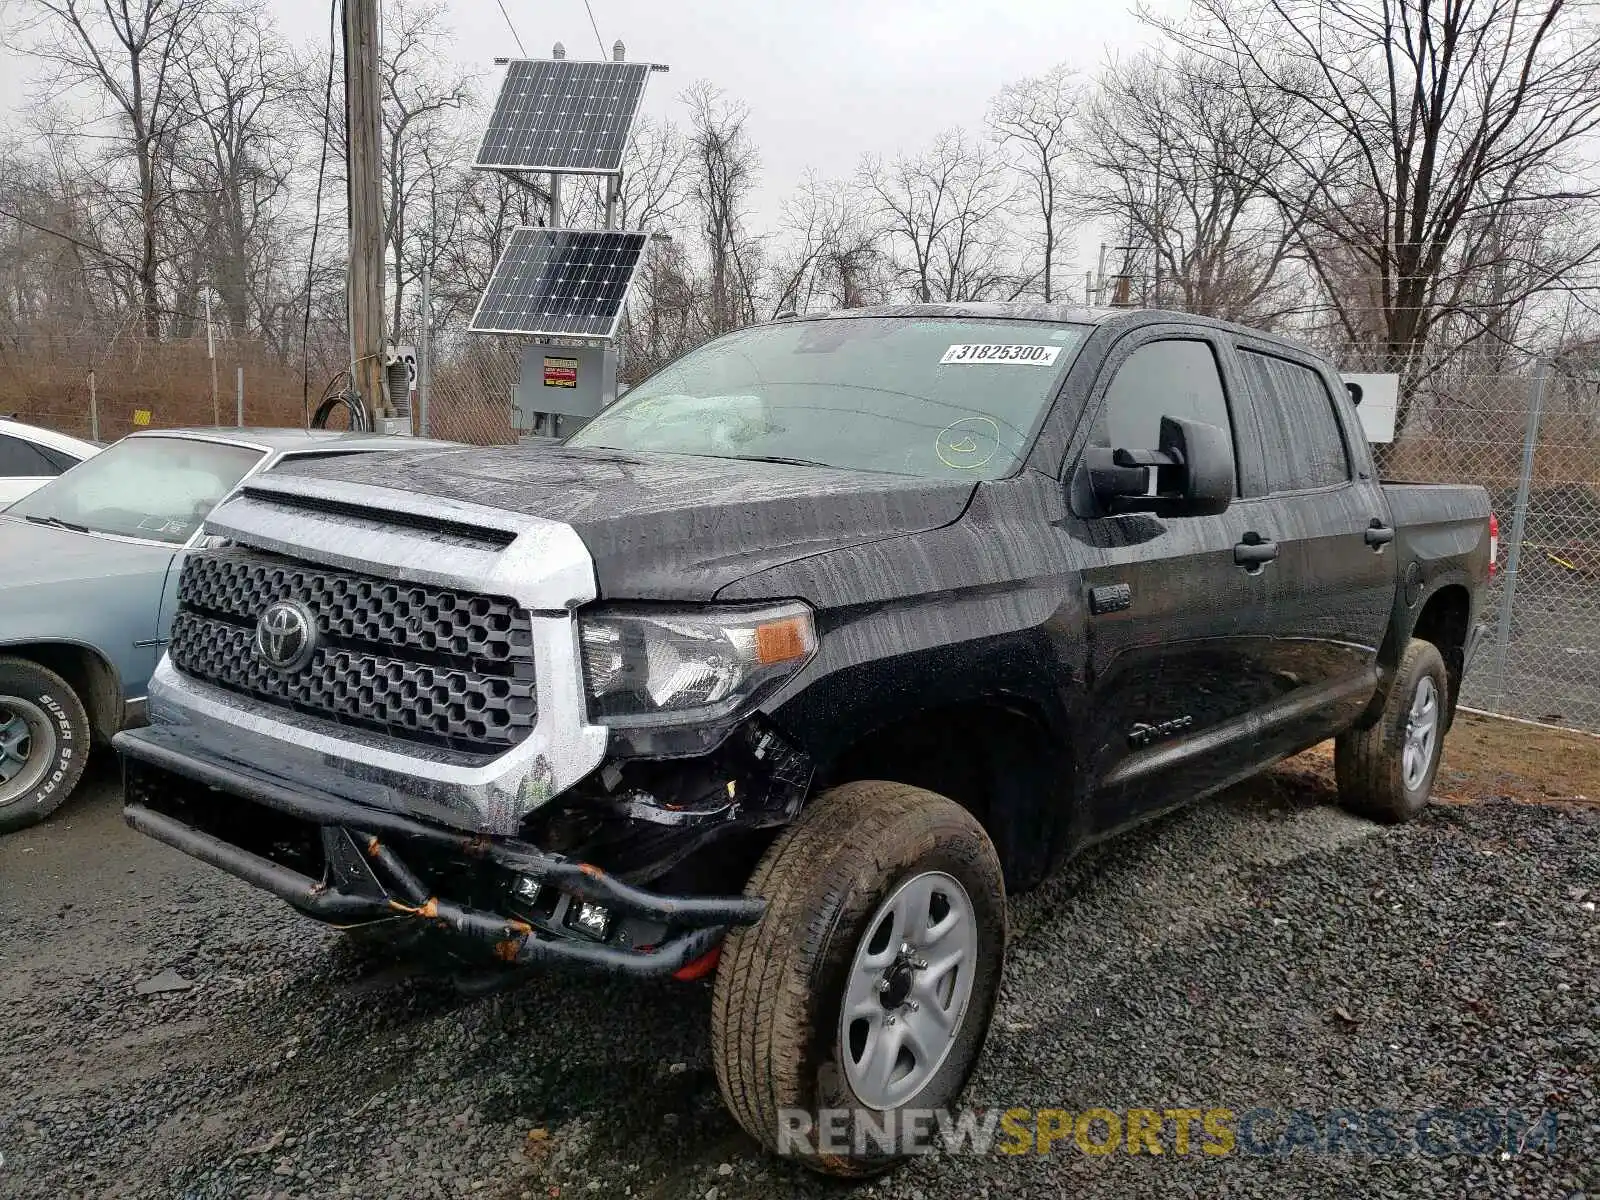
pixel 286 635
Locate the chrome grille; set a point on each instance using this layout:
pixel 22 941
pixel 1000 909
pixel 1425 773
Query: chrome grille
pixel 420 663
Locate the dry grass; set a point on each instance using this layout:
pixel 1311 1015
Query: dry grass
pixel 49 385
pixel 1564 455
pixel 1487 758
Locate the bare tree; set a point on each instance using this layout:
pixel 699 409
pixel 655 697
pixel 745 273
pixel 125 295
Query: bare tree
pixel 828 252
pixel 1035 122
pixel 1416 128
pixel 422 145
pixel 724 170
pixel 233 165
pixel 132 57
pixel 809 229
pixel 1179 164
pixel 55 271
pixel 666 312
pixel 655 176
pixel 947 209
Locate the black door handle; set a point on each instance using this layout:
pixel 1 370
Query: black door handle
pixel 1379 535
pixel 1254 552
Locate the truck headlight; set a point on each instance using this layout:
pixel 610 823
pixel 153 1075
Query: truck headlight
pixel 681 666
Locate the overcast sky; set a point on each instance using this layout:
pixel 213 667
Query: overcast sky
pixel 825 80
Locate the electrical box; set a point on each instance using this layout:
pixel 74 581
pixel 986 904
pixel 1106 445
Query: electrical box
pixel 561 387
pixel 400 372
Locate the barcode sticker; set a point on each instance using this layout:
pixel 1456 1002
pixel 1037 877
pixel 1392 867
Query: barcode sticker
pixel 1014 356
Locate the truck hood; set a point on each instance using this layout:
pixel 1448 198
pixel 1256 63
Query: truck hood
pixel 669 526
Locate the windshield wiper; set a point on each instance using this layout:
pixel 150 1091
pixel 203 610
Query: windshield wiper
pixel 56 521
pixel 774 458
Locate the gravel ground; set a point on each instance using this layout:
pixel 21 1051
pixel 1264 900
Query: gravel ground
pixel 1261 950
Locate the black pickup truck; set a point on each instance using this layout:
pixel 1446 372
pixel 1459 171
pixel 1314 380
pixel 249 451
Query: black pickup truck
pixel 800 656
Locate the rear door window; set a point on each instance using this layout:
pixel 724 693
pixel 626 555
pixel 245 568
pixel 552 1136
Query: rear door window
pixel 1299 428
pixel 19 459
pixel 58 459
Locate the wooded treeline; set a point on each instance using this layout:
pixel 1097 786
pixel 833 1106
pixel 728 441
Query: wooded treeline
pixel 1410 181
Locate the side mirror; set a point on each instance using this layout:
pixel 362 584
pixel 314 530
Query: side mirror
pixel 1191 473
pixel 1355 391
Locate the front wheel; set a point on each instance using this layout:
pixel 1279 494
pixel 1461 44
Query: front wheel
pixel 44 742
pixel 866 990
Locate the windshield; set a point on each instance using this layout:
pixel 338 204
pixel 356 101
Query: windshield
pixel 938 398
pixel 160 488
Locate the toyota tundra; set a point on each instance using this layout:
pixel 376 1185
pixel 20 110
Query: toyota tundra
pixel 799 657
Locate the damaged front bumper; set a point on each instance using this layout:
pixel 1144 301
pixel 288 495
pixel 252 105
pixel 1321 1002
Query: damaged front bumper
pixel 349 863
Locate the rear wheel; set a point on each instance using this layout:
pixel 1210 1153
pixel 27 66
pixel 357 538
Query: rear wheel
pixel 44 742
pixel 869 984
pixel 1386 770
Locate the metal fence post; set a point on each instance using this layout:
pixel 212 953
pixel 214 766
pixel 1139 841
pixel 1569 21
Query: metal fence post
pixel 94 409
pixel 211 353
pixel 241 397
pixel 1519 521
pixel 424 355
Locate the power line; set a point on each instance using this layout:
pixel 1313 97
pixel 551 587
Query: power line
pixel 514 35
pixel 67 237
pixel 316 217
pixel 598 40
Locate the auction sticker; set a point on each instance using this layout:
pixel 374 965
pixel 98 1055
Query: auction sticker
pixel 1018 356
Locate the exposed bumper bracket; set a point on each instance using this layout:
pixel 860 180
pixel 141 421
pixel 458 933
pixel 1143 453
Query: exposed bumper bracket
pixel 514 941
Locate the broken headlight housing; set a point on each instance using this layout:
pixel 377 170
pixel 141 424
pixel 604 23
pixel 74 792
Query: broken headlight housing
pixel 653 667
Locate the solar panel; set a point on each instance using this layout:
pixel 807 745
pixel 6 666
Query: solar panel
pixel 557 115
pixel 560 282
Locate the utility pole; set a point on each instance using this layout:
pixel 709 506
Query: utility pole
pixel 363 107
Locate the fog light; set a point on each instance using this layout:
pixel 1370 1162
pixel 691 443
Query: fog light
pixel 594 920
pixel 526 888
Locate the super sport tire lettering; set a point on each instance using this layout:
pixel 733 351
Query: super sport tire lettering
pixel 53 698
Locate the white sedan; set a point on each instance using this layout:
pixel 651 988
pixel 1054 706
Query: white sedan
pixel 31 457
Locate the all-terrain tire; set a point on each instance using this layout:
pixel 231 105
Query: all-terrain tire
pixel 1374 776
pixel 776 1031
pixel 44 742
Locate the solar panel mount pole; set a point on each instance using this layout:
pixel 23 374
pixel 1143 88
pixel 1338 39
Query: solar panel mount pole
pixel 559 53
pixel 364 185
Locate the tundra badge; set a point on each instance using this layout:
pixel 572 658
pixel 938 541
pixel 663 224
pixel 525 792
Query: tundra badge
pixel 1142 735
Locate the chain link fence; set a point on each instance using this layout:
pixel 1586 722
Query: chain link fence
pixel 468 383
pixel 107 383
pixel 1531 437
